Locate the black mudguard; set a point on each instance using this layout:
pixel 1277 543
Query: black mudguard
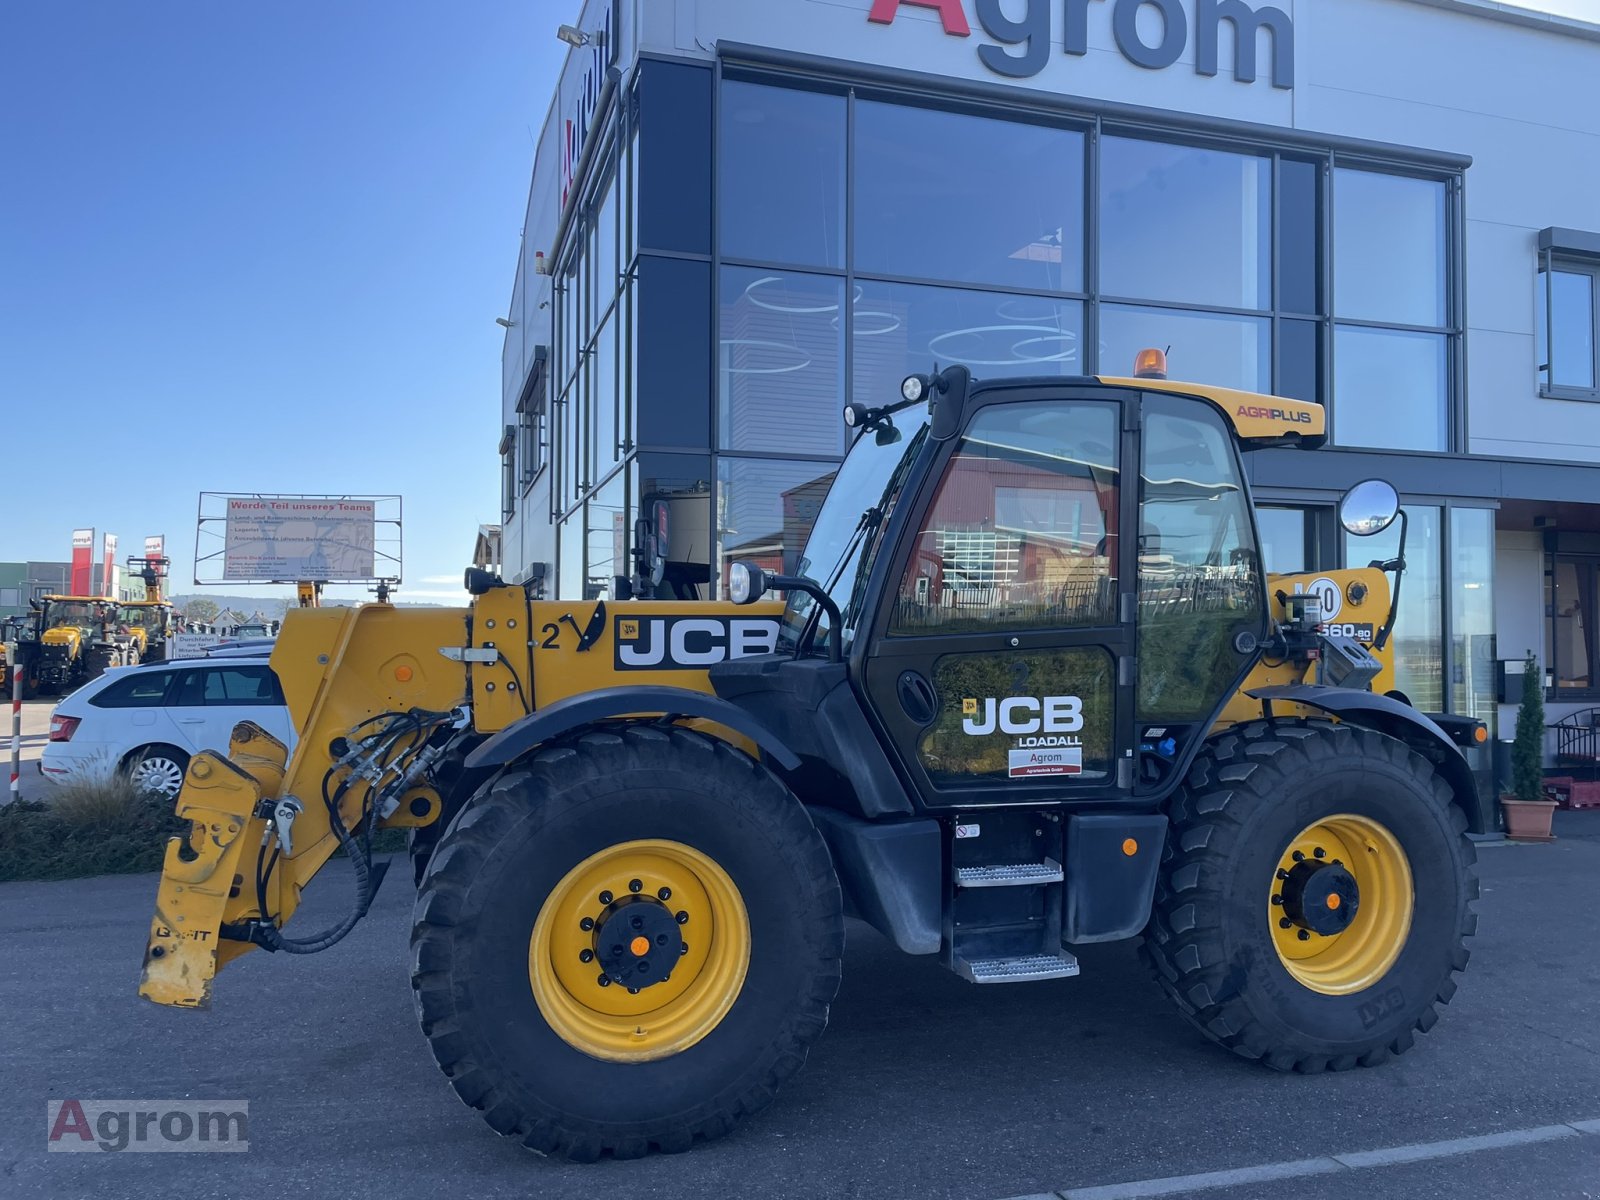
pixel 563 716
pixel 1398 720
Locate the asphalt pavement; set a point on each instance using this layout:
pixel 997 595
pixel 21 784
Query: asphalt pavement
pixel 923 1085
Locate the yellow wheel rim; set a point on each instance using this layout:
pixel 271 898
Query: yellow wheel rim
pixel 1303 893
pixel 651 905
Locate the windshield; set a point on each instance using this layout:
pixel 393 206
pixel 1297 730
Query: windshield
pixel 79 613
pixel 849 528
pixel 145 616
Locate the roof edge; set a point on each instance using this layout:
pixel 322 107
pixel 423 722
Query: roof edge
pixel 1516 14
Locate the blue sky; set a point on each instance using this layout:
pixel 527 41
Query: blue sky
pixel 260 247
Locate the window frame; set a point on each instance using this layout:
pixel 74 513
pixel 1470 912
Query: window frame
pixel 1551 261
pixel 1588 571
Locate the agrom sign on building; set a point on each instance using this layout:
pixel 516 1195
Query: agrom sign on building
pixel 1020 46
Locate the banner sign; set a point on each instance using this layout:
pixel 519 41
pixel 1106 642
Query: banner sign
pixel 82 579
pixel 191 645
pixel 108 573
pixel 285 540
pixel 155 547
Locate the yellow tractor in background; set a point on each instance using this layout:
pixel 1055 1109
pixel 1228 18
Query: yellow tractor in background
pixel 150 622
pixel 1030 689
pixel 76 639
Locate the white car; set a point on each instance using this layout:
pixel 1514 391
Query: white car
pixel 148 721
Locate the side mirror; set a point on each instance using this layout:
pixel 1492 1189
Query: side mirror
pixel 1369 507
pixel 747 583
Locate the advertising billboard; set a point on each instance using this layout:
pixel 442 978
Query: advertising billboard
pixel 82 581
pixel 292 539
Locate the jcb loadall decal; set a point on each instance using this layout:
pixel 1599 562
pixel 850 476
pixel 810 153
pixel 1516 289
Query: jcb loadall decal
pixel 1047 725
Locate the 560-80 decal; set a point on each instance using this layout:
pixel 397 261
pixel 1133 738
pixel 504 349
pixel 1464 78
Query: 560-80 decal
pixel 688 643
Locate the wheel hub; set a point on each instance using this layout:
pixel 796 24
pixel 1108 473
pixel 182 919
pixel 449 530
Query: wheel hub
pixel 637 942
pixel 1321 897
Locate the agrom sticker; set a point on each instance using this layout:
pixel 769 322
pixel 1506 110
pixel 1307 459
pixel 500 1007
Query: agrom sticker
pixel 1028 764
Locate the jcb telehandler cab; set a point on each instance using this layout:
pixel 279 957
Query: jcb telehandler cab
pixel 1030 690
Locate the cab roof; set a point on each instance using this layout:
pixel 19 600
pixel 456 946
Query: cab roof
pixel 1259 421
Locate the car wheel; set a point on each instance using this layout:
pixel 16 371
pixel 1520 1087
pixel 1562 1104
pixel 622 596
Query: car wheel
pixel 158 771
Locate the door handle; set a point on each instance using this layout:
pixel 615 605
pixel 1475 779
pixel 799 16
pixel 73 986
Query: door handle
pixel 918 700
pixel 191 720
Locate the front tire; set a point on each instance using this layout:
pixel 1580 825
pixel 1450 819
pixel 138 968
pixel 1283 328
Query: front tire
pixel 517 922
pixel 1235 938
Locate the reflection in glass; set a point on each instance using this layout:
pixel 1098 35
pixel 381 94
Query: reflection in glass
pixel 1573 328
pixel 942 195
pixel 1204 347
pixel 671 495
pixel 603 402
pixel 1472 692
pixel 765 510
pixel 1418 640
pixel 781 175
pixel 1283 540
pixel 1569 598
pixel 1023 529
pixel 1299 360
pixel 903 328
pixel 1184 224
pixel 1299 236
pixel 569 557
pixel 607 539
pixel 1389 252
pixel 1390 389
pixel 780 362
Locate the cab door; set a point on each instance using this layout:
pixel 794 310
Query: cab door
pixel 1001 666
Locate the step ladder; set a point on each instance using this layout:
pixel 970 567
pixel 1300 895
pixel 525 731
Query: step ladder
pixel 1012 936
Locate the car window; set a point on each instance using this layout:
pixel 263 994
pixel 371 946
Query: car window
pixel 189 691
pixel 135 691
pixel 240 685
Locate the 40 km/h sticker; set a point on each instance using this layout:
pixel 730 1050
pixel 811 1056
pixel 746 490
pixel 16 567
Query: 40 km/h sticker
pixel 1329 595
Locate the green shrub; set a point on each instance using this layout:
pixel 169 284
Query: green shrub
pixel 1527 751
pixel 86 829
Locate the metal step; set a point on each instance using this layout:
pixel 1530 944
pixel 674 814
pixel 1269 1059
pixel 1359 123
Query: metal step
pixel 1018 970
pixel 1009 875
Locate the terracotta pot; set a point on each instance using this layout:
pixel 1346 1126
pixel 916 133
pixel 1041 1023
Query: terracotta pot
pixel 1528 820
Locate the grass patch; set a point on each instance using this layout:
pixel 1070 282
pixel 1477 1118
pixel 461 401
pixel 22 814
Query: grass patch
pixel 86 829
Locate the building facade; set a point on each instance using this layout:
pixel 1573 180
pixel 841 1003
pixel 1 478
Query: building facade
pixel 745 213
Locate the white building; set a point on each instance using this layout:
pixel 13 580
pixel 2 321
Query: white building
pixel 1382 205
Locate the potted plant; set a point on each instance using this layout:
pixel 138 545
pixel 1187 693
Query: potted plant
pixel 1528 813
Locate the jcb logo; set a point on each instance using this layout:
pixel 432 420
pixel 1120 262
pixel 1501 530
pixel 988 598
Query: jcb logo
pixel 686 643
pixel 1022 714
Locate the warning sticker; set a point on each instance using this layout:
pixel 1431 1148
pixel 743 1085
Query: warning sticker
pixel 1067 760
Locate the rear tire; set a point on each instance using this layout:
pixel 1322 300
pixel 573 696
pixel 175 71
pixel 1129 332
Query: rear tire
pixel 502 878
pixel 1215 942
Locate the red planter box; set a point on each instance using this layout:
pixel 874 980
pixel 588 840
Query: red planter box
pixel 1559 788
pixel 1584 795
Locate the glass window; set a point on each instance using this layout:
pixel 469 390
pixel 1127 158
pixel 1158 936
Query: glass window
pixel 675 156
pixel 1472 688
pixel 603 402
pixel 1570 599
pixel 1199 581
pixel 134 691
pixel 1567 334
pixel 903 328
pixel 765 510
pixel 1299 236
pixel 570 584
pixel 1184 224
pixel 605 240
pixel 1390 388
pixel 1201 347
pixel 1299 363
pixel 672 369
pixel 1418 641
pixel 240 685
pixel 671 498
pixel 1389 248
pixel 942 195
pixel 780 362
pixel 607 554
pixel 1285 541
pixel 781 175
pixel 1022 533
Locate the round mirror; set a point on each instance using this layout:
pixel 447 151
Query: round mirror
pixel 1369 507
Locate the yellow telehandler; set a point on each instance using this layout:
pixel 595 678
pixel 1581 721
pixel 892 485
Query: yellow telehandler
pixel 1029 689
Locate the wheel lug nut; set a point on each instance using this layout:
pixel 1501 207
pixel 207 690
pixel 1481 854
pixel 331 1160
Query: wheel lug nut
pixel 605 897
pixel 586 924
pixel 605 980
pixel 664 893
pixel 683 949
pixel 585 955
pixel 1283 874
pixel 683 918
pixel 635 886
pixel 616 952
pixel 661 939
pixel 633 991
pixel 1320 852
pixel 637 922
pixel 1299 857
pixel 1304 935
pixel 1284 923
pixel 1276 900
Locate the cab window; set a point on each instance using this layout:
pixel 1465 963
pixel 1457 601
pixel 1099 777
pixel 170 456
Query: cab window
pixel 1022 533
